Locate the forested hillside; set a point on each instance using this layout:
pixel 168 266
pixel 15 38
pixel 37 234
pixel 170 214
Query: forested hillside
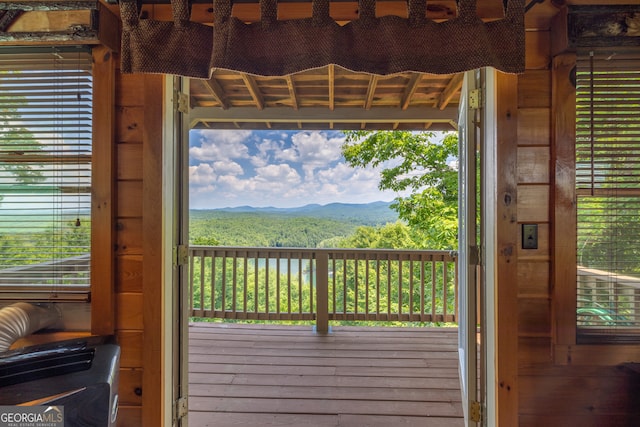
pixel 307 226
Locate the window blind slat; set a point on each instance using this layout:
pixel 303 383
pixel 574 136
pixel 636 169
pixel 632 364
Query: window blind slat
pixel 608 193
pixel 45 173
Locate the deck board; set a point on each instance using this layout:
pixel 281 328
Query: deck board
pixel 249 375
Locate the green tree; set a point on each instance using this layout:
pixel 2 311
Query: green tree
pixel 414 162
pixel 16 140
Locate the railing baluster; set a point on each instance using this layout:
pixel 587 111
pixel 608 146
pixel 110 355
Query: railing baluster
pixel 245 279
pixel 213 283
pixel 434 293
pixel 266 285
pixel 300 308
pixel 312 280
pixel 366 287
pixel 445 290
pixel 234 281
pixel 289 283
pixel 355 286
pixel 377 287
pixel 399 287
pixel 344 284
pixel 256 296
pixel 422 288
pixel 455 287
pixel 333 281
pixel 278 283
pixel 410 288
pixel 388 288
pixel 224 284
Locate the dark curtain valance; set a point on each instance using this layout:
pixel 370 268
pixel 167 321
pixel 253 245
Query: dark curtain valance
pixel 382 46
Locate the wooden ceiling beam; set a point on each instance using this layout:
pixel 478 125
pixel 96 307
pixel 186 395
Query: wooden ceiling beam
pixel 217 92
pixel 254 91
pixel 371 91
pixel 292 92
pixel 323 115
pixel 411 88
pixel 331 69
pixel 452 88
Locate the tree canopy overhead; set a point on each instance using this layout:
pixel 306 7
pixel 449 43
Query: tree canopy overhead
pixel 419 164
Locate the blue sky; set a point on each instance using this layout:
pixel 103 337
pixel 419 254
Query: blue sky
pixel 275 168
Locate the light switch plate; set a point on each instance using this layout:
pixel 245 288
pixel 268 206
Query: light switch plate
pixel 529 236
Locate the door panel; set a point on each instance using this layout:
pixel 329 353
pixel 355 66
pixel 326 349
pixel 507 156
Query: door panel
pixel 467 250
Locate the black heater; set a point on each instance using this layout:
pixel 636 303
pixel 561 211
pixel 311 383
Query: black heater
pixel 79 374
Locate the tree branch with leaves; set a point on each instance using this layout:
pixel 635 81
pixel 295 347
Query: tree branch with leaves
pixel 423 166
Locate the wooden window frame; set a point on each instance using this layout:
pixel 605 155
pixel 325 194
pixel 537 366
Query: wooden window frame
pixel 566 349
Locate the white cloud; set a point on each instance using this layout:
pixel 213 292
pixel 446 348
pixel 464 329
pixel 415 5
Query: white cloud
pixel 227 167
pixel 313 149
pixel 242 168
pixel 216 145
pixel 201 174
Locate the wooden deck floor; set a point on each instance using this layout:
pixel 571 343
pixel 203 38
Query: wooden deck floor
pixel 256 375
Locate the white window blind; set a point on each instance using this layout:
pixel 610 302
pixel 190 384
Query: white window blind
pixel 45 173
pixel 608 193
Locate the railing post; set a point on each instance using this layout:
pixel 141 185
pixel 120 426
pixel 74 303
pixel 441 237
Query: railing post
pixel 322 292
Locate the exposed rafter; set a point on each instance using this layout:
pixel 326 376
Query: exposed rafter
pixel 371 91
pixel 292 92
pixel 332 76
pixel 217 92
pixel 253 90
pixel 411 88
pixel 450 91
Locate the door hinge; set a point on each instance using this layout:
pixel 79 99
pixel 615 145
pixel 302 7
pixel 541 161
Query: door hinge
pixel 180 255
pixel 181 407
pixel 181 102
pixel 475 99
pixel 475 412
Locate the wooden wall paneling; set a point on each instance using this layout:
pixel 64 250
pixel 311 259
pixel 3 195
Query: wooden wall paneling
pixel 533 203
pixel 534 89
pixel 506 265
pixel 130 161
pixel 129 200
pixel 601 355
pixel 131 348
pixel 564 207
pixel 130 90
pixel 538 47
pixel 154 376
pixel 577 393
pixel 129 416
pixel 534 317
pixel 534 351
pixel 130 387
pixel 534 127
pixel 533 278
pixel 533 165
pixel 129 273
pixel 129 311
pixel 102 193
pixel 129 237
pixel 129 122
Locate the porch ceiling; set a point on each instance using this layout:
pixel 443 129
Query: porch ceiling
pixel 325 98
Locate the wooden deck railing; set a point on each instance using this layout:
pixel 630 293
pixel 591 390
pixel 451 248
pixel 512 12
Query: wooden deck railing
pixel 607 299
pixel 323 284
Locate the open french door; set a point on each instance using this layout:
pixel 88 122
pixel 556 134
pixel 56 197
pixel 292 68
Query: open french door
pixel 177 154
pixel 468 252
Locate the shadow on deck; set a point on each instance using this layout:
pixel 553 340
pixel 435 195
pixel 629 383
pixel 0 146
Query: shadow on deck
pixel 273 375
